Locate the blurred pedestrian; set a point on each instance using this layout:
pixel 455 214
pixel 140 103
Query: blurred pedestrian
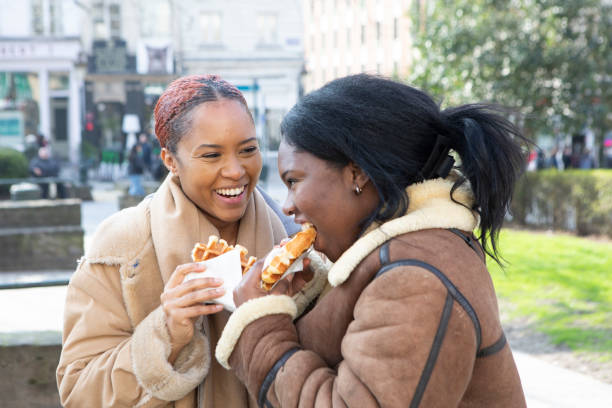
pixel 136 167
pixel 145 146
pixel 43 165
pixel 567 157
pixel 587 160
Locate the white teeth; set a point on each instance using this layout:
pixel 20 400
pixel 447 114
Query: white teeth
pixel 230 191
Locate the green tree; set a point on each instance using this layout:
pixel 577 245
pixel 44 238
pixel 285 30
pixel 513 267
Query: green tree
pixel 549 60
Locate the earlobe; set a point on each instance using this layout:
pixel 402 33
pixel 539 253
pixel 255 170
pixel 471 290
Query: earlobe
pixel 168 160
pixel 360 178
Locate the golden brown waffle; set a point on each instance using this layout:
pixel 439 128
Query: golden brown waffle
pixel 216 247
pixel 287 255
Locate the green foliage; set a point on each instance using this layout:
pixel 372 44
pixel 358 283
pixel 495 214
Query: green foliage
pixel 561 284
pixel 575 200
pixel 13 164
pixel 550 60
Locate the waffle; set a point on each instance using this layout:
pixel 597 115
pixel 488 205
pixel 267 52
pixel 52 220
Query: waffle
pixel 216 247
pixel 286 255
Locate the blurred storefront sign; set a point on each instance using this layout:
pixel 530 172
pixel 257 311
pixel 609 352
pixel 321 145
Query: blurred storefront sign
pixel 11 129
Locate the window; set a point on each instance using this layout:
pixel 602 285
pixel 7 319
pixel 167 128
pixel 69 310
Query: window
pixel 155 19
pixel 97 17
pixel 114 11
pixel 395 28
pixel 210 26
pixel 37 17
pixel 55 17
pixel 267 28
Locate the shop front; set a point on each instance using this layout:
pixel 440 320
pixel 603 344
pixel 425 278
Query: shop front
pixel 39 94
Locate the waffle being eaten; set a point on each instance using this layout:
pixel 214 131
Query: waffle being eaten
pixel 216 247
pixel 281 258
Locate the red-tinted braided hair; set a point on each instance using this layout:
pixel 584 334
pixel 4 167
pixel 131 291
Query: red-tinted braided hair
pixel 180 97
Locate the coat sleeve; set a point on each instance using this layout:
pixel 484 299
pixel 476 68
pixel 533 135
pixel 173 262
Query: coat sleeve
pixel 401 320
pixel 105 362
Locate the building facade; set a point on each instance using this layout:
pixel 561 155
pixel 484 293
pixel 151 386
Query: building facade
pixel 87 73
pixel 256 45
pixel 344 37
pixel 41 73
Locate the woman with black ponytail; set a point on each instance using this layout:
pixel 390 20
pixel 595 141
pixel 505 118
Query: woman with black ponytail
pixel 407 201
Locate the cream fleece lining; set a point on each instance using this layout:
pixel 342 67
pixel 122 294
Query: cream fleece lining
pixel 430 206
pixel 150 349
pixel 247 313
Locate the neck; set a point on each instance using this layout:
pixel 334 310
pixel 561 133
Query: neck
pixel 227 230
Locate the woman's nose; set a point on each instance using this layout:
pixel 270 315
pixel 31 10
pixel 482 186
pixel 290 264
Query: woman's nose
pixel 233 169
pixel 288 206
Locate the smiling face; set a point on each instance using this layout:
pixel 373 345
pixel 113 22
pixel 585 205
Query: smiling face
pixel 218 161
pixel 324 195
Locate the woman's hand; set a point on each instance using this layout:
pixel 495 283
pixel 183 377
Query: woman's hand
pixel 182 303
pixel 250 286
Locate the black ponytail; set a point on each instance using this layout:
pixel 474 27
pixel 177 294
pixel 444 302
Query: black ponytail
pixel 492 160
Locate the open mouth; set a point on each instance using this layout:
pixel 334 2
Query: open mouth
pixel 230 192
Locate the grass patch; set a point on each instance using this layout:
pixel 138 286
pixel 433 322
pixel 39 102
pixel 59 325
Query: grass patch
pixel 562 284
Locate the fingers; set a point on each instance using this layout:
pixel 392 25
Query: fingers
pixel 185 315
pixel 195 297
pixel 181 271
pixel 194 285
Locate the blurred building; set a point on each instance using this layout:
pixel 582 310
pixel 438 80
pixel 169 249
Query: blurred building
pixel 40 73
pixel 87 73
pixel 130 60
pixel 344 37
pixel 137 47
pixel 256 45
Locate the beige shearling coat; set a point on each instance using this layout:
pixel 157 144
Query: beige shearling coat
pixel 115 341
pixel 409 318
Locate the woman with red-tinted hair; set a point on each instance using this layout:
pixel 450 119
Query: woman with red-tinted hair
pixel 134 333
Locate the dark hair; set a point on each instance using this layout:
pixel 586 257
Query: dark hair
pixel 172 119
pixel 390 129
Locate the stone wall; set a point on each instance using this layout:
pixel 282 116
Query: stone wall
pixel 40 234
pixel 27 376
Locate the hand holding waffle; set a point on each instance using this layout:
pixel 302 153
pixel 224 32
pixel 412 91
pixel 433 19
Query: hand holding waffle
pixel 183 301
pixel 280 259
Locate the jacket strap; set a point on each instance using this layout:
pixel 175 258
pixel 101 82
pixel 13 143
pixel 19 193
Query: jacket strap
pixel 262 400
pixel 383 254
pixel 493 348
pixel 452 289
pixel 467 239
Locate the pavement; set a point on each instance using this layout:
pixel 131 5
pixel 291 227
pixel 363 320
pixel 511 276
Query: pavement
pixel 39 321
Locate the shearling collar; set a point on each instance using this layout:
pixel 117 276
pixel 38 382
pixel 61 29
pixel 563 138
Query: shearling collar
pixel 430 206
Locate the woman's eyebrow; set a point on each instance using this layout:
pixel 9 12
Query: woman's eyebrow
pixel 216 146
pixel 248 140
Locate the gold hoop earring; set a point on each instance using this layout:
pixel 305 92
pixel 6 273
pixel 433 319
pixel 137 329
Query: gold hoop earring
pixel 358 189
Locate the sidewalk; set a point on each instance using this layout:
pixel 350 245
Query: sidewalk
pixel 39 321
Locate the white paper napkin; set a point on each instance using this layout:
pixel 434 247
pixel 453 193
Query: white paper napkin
pixel 226 267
